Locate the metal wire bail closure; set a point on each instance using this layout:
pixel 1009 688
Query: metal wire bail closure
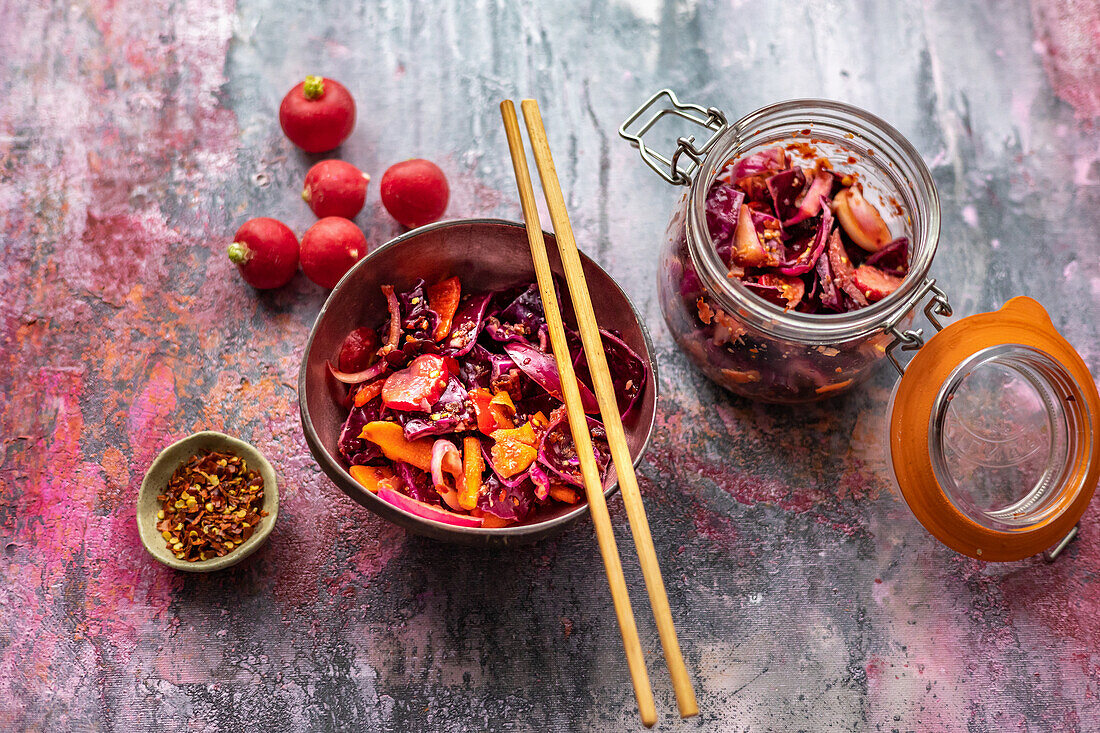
pixel 667 168
pixel 912 339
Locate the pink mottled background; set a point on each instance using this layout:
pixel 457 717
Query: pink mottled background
pixel 136 136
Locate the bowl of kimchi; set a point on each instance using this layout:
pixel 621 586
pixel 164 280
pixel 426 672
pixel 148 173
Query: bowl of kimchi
pixel 429 392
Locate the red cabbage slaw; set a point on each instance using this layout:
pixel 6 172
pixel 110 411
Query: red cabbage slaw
pixel 803 238
pixel 488 385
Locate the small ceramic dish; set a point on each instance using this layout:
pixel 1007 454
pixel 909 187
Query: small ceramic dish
pixel 161 470
pixel 488 254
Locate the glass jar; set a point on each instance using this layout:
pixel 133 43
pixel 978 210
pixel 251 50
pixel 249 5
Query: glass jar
pixel 994 432
pixel 746 344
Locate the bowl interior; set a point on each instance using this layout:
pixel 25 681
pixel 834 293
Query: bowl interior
pixel 161 470
pixel 486 255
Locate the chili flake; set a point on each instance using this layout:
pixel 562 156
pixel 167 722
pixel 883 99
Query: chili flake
pixel 211 505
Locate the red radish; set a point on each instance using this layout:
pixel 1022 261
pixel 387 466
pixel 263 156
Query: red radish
pixel 417 386
pixel 329 249
pixel 335 188
pixel 358 348
pixel 318 114
pixel 874 283
pixel 415 192
pixel 266 253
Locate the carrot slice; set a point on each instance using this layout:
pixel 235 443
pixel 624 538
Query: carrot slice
pixel 511 456
pixel 523 434
pixel 502 409
pixel 564 494
pixel 472 465
pixel 443 297
pixel 492 520
pixel 390 437
pixel 372 476
pixel 368 392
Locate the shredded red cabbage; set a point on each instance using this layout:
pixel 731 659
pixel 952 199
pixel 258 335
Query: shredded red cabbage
pixel 792 214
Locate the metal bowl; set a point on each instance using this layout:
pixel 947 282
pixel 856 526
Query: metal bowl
pixel 487 254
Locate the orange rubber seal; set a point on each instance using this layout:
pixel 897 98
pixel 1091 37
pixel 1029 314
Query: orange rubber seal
pixel 1020 321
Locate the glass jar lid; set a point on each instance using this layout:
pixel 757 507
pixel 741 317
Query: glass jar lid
pixel 993 434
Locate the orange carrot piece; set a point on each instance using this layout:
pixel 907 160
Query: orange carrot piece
pixel 390 437
pixel 564 494
pixel 372 476
pixel 472 465
pixel 492 520
pixel 368 392
pixel 523 434
pixel 503 399
pixel 511 456
pixel 443 297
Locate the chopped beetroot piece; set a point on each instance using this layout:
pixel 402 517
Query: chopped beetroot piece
pixel 723 206
pixel 785 188
pixel 843 271
pixel 893 259
pixel 807 258
pixel 874 283
pixel 762 161
pixel 811 203
pixel 828 296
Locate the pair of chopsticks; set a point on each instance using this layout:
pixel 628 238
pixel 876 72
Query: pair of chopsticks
pixel 609 410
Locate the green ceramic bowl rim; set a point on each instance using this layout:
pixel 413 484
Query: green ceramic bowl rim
pixel 156 479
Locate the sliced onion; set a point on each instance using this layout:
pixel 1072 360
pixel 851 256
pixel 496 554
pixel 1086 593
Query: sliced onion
pixel 426 511
pixel 378 369
pixel 445 457
pixel 394 307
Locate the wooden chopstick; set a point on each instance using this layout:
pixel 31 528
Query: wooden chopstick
pixel 609 409
pixel 578 423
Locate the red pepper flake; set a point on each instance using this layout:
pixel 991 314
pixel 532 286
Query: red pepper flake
pixel 804 149
pixel 211 505
pixel 705 313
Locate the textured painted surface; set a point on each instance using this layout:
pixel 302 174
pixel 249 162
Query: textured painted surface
pixel 137 135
